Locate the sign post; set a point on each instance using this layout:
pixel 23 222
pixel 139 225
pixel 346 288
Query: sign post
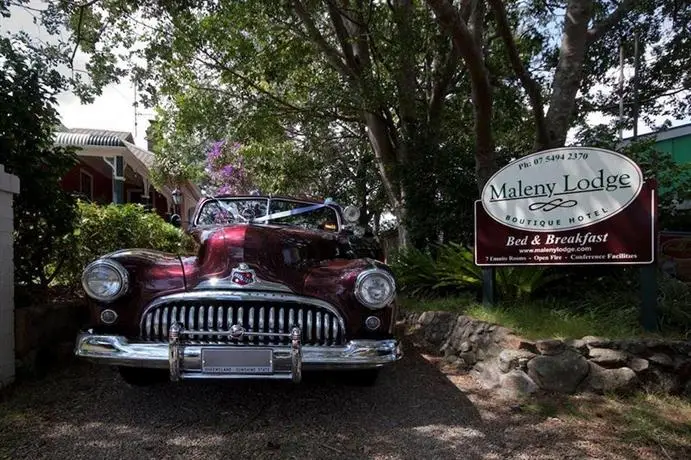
pixel 489 289
pixel 570 206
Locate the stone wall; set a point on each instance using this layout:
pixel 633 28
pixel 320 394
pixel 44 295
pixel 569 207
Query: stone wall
pixel 45 335
pixel 514 366
pixel 9 186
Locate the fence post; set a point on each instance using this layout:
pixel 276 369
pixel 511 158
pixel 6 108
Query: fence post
pixel 9 186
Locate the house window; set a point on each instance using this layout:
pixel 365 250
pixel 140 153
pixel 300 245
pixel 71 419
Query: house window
pixel 134 195
pixel 86 184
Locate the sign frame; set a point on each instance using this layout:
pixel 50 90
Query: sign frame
pixel 653 239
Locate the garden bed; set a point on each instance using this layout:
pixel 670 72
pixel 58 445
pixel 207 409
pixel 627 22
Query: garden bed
pixel 505 360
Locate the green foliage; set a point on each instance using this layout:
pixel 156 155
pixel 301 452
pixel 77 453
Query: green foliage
pixel 416 272
pixel 43 213
pixel 103 229
pixel 607 306
pixel 453 269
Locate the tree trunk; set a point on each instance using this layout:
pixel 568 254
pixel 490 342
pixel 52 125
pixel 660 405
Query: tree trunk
pixel 567 78
pixel 468 42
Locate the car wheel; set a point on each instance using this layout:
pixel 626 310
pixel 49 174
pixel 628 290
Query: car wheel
pixel 141 377
pixel 362 378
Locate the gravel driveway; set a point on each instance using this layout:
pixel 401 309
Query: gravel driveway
pixel 414 412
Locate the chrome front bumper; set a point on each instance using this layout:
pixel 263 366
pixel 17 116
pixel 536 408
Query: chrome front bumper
pixel 184 361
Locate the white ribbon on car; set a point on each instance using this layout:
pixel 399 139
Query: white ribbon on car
pixel 294 212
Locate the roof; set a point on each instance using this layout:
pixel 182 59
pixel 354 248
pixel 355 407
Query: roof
pixel 142 155
pixel 96 137
pixel 141 160
pixel 663 134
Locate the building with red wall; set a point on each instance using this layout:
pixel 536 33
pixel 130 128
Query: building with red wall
pixel 112 169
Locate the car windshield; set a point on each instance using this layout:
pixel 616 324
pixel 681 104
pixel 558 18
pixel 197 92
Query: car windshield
pixel 273 211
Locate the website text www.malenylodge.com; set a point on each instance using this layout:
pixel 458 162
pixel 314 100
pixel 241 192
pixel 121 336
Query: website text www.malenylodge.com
pixel 567 250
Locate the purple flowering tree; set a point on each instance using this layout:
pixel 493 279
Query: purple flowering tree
pixel 225 169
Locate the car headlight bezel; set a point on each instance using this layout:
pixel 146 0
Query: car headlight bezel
pixel 362 278
pixel 108 264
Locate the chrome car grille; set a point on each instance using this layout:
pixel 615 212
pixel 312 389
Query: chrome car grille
pixel 320 326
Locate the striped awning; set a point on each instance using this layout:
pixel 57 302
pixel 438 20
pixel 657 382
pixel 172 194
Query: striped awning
pixel 81 140
pixel 92 137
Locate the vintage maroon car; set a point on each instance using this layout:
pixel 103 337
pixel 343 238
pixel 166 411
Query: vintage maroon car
pixel 277 286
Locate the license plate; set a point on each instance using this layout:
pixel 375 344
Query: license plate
pixel 237 361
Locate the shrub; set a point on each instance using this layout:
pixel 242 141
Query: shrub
pixel 103 229
pixel 416 272
pixel 43 213
pixel 420 274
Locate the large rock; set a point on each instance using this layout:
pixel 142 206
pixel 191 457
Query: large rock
pixel 516 384
pixel 519 343
pixel 434 327
pixel 661 359
pixel 514 359
pixel 593 341
pixel 633 346
pixel 550 347
pixel 639 364
pixel 578 345
pixel 608 358
pixel 562 373
pixel 478 337
pixel 601 380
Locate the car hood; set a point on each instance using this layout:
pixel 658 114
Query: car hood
pixel 276 254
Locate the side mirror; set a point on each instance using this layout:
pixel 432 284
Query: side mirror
pixel 176 220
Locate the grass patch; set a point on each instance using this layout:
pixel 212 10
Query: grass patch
pixel 547 318
pixel 454 304
pixel 539 320
pixel 656 419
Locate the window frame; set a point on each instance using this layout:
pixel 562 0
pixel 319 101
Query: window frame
pixel 84 172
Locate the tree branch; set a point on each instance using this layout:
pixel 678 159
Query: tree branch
pixel 529 84
pixel 334 58
pixel 341 33
pixel 79 35
pixel 470 49
pixel 602 27
pixel 441 84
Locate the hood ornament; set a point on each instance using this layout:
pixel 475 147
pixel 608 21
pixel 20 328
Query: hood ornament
pixel 243 275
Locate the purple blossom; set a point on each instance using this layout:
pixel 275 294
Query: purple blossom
pixel 225 169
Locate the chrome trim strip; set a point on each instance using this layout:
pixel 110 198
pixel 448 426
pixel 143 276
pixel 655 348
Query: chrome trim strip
pixel 219 322
pixel 319 326
pixel 164 322
pixel 227 283
pixel 280 320
pixel 309 325
pixel 272 325
pixel 233 295
pixel 117 350
pixel 251 320
pixel 260 326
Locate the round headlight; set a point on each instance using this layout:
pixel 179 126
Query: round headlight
pixel 105 280
pixel 375 288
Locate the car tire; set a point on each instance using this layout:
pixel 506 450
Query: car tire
pixel 141 377
pixel 362 378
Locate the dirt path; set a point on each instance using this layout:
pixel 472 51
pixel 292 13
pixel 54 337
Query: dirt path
pixel 413 412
